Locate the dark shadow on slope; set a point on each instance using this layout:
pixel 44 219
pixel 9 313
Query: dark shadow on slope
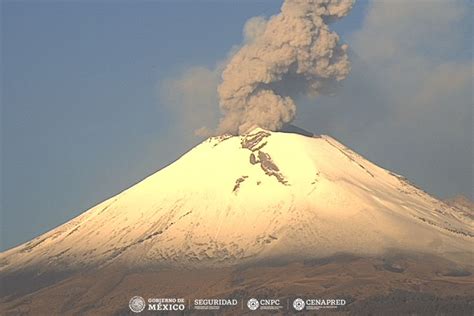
pixel 24 282
pixel 289 128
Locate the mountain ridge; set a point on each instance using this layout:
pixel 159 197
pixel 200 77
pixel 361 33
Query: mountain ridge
pixel 265 214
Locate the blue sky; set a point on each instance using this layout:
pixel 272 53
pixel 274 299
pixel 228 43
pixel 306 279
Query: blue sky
pixel 82 118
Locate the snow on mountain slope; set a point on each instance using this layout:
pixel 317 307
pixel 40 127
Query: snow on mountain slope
pixel 265 195
pixel 462 204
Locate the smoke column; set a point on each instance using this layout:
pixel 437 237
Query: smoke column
pixel 291 54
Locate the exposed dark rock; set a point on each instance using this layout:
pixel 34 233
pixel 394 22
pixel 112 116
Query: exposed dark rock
pixel 393 267
pixel 238 182
pixel 219 139
pixel 253 160
pixel 458 273
pixel 252 141
pixel 450 229
pixel 270 168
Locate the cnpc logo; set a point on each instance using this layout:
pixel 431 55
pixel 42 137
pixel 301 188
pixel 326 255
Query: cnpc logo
pixel 253 304
pixel 264 304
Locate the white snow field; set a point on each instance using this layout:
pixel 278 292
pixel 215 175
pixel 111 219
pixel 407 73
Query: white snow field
pixel 262 196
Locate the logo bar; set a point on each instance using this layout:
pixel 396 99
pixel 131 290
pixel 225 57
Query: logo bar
pixel 138 304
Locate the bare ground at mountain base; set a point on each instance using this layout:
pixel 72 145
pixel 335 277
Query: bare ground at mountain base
pixel 371 286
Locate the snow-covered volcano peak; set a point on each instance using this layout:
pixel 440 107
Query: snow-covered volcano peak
pixel 262 195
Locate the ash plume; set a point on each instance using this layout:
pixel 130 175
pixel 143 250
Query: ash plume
pixel 293 53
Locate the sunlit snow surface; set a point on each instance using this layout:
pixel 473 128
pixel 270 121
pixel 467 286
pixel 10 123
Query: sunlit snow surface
pixel 262 196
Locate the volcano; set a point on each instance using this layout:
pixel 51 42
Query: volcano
pixel 284 203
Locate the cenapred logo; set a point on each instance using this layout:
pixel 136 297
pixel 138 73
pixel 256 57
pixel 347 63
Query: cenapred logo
pixel 298 304
pixel 137 304
pixel 252 304
pixel 317 304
